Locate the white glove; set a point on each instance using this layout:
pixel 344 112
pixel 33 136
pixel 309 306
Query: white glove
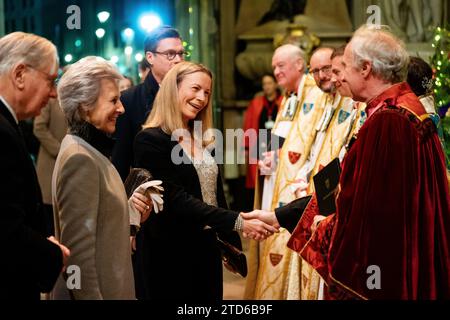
pixel 152 189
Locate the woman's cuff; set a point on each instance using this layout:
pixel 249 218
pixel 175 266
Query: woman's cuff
pixel 239 224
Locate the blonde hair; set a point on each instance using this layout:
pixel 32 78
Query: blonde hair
pixel 29 49
pixel 384 50
pixel 166 112
pixel 79 87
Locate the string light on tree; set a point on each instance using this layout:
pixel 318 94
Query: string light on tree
pixel 441 65
pixel 138 57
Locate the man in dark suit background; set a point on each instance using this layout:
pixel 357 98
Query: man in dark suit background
pixel 163 49
pixel 31 262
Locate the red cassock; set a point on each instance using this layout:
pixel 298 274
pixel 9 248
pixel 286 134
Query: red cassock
pixel 251 121
pixel 393 216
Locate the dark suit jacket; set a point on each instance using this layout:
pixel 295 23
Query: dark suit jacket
pixel 138 102
pixel 181 259
pixel 30 263
pixel 289 215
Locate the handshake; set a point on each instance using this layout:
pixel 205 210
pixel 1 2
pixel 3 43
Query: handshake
pixel 259 224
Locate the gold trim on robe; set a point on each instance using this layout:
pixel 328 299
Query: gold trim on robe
pixel 278 271
pixel 264 183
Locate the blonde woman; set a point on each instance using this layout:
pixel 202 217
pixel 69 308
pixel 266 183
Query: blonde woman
pixel 178 256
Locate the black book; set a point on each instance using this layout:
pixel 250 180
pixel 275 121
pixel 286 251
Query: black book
pixel 326 182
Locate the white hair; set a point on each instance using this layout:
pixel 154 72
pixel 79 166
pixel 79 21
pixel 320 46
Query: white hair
pixel 79 87
pixel 294 51
pixel 385 51
pixel 29 49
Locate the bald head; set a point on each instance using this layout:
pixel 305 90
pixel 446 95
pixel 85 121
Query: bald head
pixel 291 51
pixel 322 51
pixel 288 63
pixel 320 64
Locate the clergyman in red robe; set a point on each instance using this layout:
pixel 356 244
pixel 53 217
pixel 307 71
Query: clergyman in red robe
pixel 390 236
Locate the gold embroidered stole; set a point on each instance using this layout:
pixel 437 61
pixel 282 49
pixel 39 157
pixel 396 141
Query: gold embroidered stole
pixel 277 272
pixel 297 145
pixel 345 123
pixel 264 190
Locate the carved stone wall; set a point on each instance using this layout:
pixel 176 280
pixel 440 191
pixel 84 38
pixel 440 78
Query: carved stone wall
pixel 246 49
pixel 329 20
pixel 399 16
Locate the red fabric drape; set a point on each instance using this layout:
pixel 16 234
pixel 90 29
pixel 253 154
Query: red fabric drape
pixel 251 121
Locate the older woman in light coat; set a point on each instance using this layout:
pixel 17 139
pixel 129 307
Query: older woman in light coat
pixel 90 204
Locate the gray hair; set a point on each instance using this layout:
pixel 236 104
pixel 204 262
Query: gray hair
pixel 29 49
pixel 294 51
pixel 79 87
pixel 385 51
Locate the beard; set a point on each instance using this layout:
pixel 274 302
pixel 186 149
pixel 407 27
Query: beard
pixel 329 88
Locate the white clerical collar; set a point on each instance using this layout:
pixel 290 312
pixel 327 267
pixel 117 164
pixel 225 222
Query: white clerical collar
pixel 9 108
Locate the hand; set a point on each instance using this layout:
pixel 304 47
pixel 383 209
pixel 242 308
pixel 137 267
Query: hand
pixel 302 189
pixel 268 217
pixel 317 219
pixel 64 249
pixel 266 165
pixel 143 204
pixel 257 230
pixel 133 244
pixel 228 266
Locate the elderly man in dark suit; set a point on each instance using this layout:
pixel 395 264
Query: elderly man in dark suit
pixel 31 262
pixel 163 50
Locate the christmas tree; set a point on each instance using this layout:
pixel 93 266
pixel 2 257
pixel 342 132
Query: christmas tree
pixel 441 67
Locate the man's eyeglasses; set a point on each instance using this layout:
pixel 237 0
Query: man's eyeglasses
pixel 324 69
pixel 170 54
pixel 52 81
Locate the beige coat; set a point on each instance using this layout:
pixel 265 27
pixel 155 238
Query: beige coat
pixel 91 218
pixel 50 127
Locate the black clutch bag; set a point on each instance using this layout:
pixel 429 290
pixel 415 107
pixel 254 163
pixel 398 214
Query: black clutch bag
pixel 135 178
pixel 233 258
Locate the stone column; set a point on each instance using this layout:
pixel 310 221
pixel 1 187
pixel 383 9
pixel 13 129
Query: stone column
pixel 228 48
